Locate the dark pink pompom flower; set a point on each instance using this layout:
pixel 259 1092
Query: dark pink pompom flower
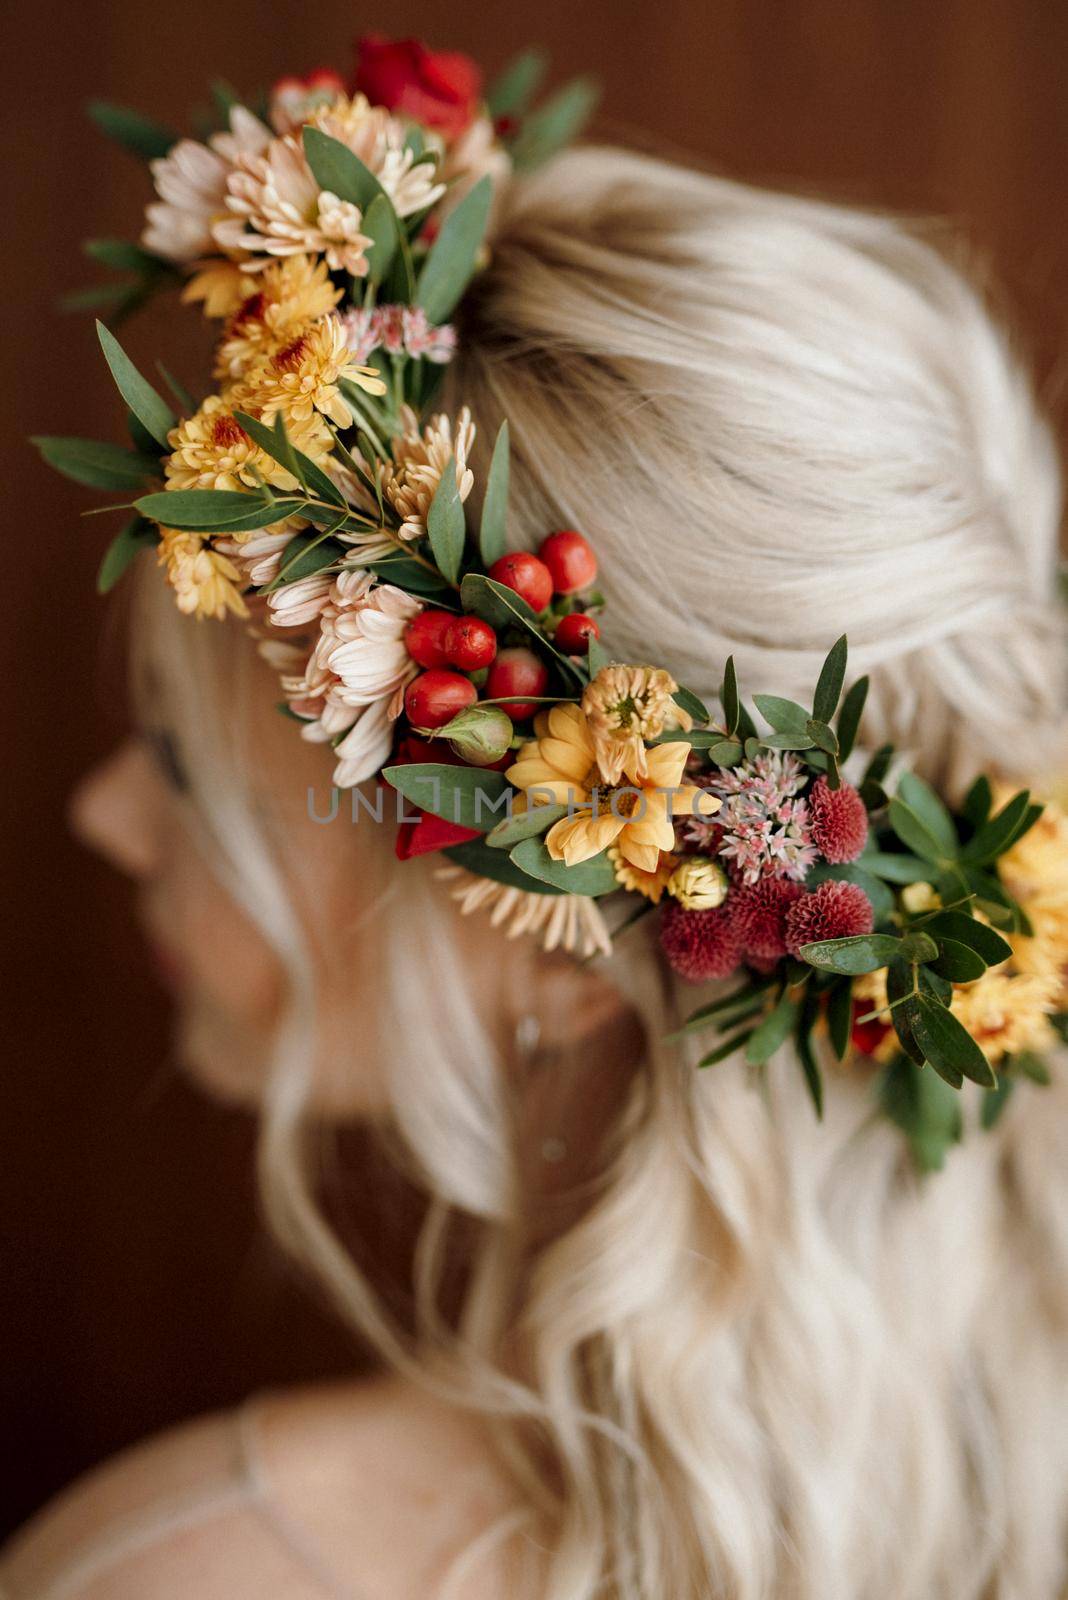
pixel 839 821
pixel 700 945
pixel 836 910
pixel 758 912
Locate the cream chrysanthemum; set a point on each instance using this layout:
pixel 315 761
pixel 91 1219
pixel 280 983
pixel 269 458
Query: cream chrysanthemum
pixel 276 208
pixel 302 378
pixel 353 681
pixel 626 706
pixel 410 480
pixel 211 450
pixel 285 298
pixel 191 181
pixel 206 583
pixel 569 922
pixel 562 767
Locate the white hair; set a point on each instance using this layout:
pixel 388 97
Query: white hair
pixel 758 1357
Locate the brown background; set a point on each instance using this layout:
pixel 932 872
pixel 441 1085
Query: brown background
pixel 135 1287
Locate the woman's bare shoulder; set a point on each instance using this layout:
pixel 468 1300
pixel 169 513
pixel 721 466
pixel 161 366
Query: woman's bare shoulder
pixel 371 1478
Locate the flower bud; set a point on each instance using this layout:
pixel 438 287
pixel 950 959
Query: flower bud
pixel 480 735
pixel 698 884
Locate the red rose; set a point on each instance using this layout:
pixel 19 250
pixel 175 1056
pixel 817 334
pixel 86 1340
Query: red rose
pixel 440 89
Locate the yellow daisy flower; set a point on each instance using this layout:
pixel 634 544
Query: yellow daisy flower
pixel 211 450
pixel 562 768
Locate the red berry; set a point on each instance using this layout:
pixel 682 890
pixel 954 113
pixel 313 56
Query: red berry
pixel 574 632
pixel 570 559
pixel 425 637
pixel 435 697
pixel 529 577
pixel 470 643
pixel 517 671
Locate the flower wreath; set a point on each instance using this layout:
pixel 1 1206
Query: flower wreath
pixel 332 231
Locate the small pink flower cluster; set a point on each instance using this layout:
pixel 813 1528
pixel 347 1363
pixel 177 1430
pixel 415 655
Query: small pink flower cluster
pixel 764 828
pixel 399 330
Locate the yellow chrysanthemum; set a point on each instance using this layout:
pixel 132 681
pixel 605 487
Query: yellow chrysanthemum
pixel 1006 1012
pixel 283 299
pixel 205 583
pixel 562 767
pixel 222 286
pixel 302 377
pixel 650 884
pixel 625 707
pixel 211 450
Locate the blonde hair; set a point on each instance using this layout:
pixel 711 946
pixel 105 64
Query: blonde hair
pixel 758 1357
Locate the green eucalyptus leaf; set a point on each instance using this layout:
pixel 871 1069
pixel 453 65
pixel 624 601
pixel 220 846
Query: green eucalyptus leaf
pixel 917 946
pixel 723 753
pixel 948 1045
pixel 472 797
pixel 879 765
pixel 412 577
pixel 446 524
pixel 450 264
pixel 996 836
pixel 96 464
pixel 691 704
pixel 823 737
pixel 788 741
pixel 127 545
pixel 597 658
pixel 146 404
pixel 958 962
pixel 729 699
pixel 785 716
pixel 381 225
pixel 831 681
pixel 774 1030
pixel 840 1017
pixel 923 800
pixel 594 877
pixel 493 531
pixel 524 825
pixel 137 134
pixel 337 170
pixel 850 715
pixel 896 868
pixel 926 1110
pixel 555 124
pixel 902 996
pixel 212 510
pixel 862 952
pixel 303 557
pixel 994 1103
pixel 969 931
pixel 477 857
pixel 511 93
pixel 914 832
pixel 737 1041
pixel 123 255
pixel 978 802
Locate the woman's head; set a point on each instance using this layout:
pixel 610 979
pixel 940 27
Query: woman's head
pixel 777 421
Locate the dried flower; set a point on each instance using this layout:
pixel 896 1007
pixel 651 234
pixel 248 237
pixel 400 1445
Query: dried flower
pixel 211 450
pixel 191 181
pixel 650 884
pixel 625 707
pixel 565 921
pixel 1006 1012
